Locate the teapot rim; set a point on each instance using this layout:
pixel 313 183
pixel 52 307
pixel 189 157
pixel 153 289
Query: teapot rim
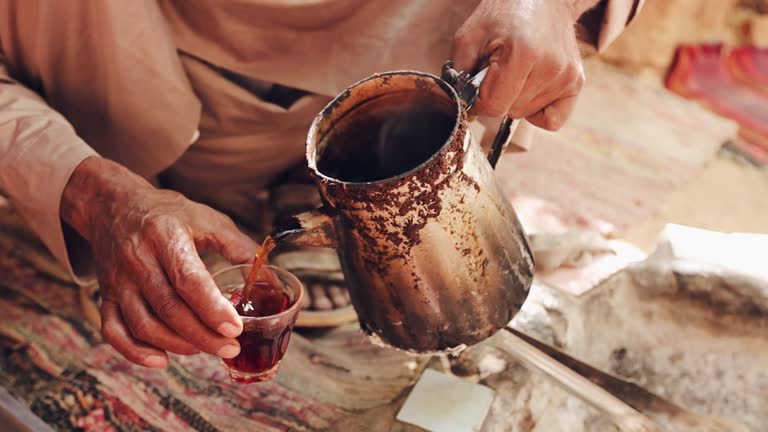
pixel 313 137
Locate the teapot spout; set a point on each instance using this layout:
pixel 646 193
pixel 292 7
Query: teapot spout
pixel 312 228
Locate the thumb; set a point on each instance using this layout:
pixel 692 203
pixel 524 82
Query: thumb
pixel 554 116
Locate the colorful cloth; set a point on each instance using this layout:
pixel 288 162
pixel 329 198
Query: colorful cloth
pixel 57 364
pixel 732 82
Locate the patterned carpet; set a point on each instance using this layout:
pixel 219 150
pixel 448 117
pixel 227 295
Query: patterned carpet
pixel 57 364
pixel 629 143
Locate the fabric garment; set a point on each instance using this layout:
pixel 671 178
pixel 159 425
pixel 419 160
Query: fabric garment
pixel 138 82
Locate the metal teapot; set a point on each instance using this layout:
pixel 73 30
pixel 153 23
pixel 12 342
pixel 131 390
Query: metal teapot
pixel 433 255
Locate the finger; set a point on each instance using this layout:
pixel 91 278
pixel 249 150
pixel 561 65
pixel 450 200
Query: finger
pixel 193 283
pixel 221 235
pixel 114 331
pixel 508 68
pixel 568 82
pixel 536 105
pixel 466 49
pixel 145 327
pixel 554 116
pixel 508 72
pixel 176 314
pixel 544 85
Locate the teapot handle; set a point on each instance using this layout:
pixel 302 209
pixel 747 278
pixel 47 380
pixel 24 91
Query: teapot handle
pixel 467 88
pixel 501 140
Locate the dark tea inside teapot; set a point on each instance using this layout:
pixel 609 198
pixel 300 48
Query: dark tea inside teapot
pixel 386 136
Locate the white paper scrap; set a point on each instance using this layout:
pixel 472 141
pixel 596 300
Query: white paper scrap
pixel 442 403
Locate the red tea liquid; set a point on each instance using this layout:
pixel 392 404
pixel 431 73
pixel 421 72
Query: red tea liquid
pixel 260 348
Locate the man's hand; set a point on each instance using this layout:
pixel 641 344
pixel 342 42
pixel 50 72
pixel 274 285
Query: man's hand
pixel 535 70
pixel 157 294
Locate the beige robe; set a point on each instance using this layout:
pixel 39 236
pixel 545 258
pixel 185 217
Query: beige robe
pixel 140 81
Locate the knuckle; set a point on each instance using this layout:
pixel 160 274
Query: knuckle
pixel 580 80
pixel 110 332
pixel 523 46
pixel 168 305
pixel 203 340
pixel 571 73
pixel 154 283
pixel 208 309
pixel 200 340
pixel 107 284
pixel 225 224
pixel 206 342
pixel 188 280
pixel 514 113
pixel 496 110
pixel 155 225
pixel 460 41
pixel 201 209
pixel 176 197
pixel 551 120
pixel 493 108
pixel 553 126
pixel 128 247
pixel 553 66
pixel 227 221
pixel 142 330
pixel 462 37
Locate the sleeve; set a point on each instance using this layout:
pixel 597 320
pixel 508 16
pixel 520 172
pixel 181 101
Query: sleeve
pixel 602 24
pixel 39 150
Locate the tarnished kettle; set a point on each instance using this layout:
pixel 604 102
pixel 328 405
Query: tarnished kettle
pixel 433 255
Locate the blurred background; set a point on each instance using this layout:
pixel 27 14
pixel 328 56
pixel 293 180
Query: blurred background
pixel 671 127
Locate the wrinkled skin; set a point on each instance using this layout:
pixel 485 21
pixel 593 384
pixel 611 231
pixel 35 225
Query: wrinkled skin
pixel 535 69
pixel 157 294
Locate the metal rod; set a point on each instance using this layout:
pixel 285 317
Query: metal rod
pixel 624 416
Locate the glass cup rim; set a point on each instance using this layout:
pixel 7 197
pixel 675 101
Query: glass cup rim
pixel 296 304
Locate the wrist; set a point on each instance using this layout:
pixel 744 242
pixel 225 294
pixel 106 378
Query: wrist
pixel 95 185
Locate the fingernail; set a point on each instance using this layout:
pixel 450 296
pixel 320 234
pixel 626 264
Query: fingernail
pixel 229 330
pixel 229 351
pixel 155 361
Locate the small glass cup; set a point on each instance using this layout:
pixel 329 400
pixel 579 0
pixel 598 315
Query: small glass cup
pixel 264 339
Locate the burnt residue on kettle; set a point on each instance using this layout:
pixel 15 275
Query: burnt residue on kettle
pixel 423 84
pixel 338 100
pixel 430 259
pixel 415 200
